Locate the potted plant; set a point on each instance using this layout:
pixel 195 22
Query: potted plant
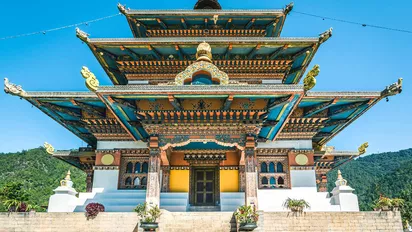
pixel 247 217
pixel 397 203
pixel 148 216
pixel 92 209
pixel 384 203
pixel 296 205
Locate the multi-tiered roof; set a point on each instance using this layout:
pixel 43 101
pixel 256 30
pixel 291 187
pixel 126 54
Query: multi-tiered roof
pixel 261 96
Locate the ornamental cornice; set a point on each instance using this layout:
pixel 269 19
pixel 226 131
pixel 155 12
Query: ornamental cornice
pixel 106 168
pixel 211 12
pixel 197 40
pixel 61 94
pixel 198 89
pixel 344 94
pixel 272 151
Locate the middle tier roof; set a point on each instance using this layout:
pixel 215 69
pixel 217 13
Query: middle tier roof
pixel 244 59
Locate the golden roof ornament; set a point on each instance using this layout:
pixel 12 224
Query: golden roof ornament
pixel 392 89
pixel 13 89
pixel 204 52
pixel 340 181
pixel 83 36
pixel 362 148
pixel 204 64
pixel 49 148
pixel 310 80
pixel 325 35
pixel 122 8
pixel 91 81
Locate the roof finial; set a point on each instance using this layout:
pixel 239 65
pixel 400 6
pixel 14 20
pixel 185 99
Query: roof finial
pixel 362 148
pixel 288 8
pixel 122 8
pixel 325 35
pixel 91 81
pixel 49 148
pixel 207 4
pixel 13 89
pixel 83 36
pixel 340 181
pixel 392 89
pixel 204 52
pixel 310 81
pixel 67 181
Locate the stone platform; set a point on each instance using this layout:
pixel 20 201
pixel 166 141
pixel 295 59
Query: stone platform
pixel 202 221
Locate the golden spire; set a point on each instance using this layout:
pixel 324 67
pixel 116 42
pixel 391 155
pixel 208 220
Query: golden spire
pixel 204 52
pixel 91 81
pixel 68 176
pixel 340 181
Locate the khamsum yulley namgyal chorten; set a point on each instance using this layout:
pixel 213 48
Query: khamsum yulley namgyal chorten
pixel 205 113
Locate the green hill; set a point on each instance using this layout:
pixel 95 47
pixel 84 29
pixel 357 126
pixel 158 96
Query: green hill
pixel 39 172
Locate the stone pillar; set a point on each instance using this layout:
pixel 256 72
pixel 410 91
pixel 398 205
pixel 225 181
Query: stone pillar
pixel 153 176
pixel 165 178
pixel 251 177
pixel 89 179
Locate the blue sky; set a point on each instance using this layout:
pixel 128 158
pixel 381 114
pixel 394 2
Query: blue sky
pixel 355 58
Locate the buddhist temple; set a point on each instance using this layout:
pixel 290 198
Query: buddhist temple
pixel 209 109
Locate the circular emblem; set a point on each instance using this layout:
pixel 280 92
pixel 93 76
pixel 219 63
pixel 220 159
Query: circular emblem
pixel 107 159
pixel 301 159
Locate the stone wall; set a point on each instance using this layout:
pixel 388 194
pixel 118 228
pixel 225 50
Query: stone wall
pixel 197 221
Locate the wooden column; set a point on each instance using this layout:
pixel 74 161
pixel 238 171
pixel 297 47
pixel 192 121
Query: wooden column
pixel 89 179
pixel 242 178
pixel 153 176
pixel 323 184
pixel 251 174
pixel 165 178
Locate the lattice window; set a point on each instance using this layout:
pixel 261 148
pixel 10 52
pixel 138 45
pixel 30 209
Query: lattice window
pixel 133 172
pixel 273 172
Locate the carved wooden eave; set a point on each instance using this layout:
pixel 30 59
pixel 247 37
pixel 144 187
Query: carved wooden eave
pixel 272 151
pixel 132 151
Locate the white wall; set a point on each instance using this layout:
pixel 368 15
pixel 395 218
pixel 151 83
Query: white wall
pixel 120 144
pixel 294 144
pixel 104 180
pixel 303 178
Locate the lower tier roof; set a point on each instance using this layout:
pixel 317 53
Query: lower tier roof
pixel 268 112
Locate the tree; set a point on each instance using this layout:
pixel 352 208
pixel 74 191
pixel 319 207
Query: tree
pixel 14 197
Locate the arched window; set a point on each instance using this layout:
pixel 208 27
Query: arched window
pixel 279 167
pixel 263 167
pixel 137 168
pixel 264 180
pixel 272 181
pixel 143 181
pixel 129 168
pixel 281 181
pixel 145 167
pixel 136 181
pixel 128 181
pixel 271 167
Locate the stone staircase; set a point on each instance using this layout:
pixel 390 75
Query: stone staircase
pixel 174 202
pixel 197 221
pixel 116 200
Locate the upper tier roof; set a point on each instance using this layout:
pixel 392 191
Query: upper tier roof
pixel 244 59
pixel 205 22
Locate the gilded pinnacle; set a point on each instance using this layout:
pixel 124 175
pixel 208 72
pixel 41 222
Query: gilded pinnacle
pixel 204 52
pixel 68 176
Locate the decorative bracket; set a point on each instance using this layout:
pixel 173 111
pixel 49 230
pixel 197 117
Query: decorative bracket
pixel 13 89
